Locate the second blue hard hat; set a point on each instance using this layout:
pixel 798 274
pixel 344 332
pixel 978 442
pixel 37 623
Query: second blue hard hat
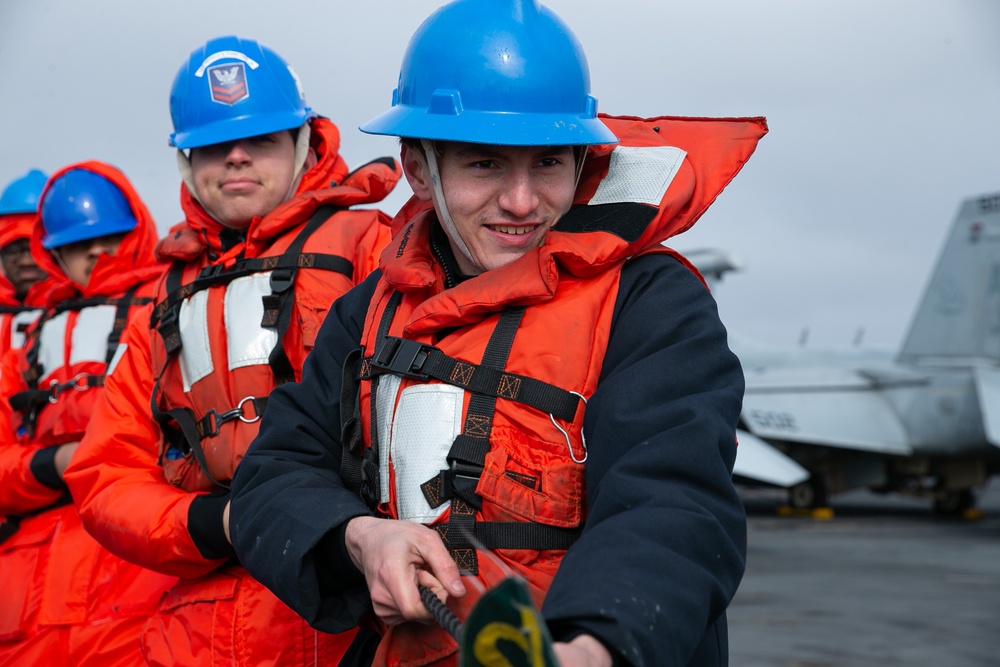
pixel 81 205
pixel 21 195
pixel 232 88
pixel 506 72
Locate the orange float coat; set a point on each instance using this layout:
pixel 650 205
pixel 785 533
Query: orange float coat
pixel 231 315
pixel 518 455
pixel 67 600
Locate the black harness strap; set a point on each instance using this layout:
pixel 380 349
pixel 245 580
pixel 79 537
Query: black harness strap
pixel 509 535
pixel 415 360
pixel 165 317
pixel 188 425
pixel 30 401
pixel 278 305
pixel 370 456
pixel 122 309
pixel 16 310
pixel 468 453
pixel 31 351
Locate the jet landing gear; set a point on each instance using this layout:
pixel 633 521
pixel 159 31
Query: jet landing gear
pixel 808 499
pixel 955 502
pixel 808 495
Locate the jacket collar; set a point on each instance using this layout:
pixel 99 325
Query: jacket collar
pixel 631 197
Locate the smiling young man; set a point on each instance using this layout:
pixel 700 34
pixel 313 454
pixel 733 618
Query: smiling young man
pixel 501 200
pixel 275 231
pixel 541 388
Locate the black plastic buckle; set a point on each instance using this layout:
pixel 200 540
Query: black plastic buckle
pixel 169 328
pixel 211 271
pixel 400 356
pixel 208 426
pixel 162 310
pixel 169 315
pixel 282 280
pixel 459 477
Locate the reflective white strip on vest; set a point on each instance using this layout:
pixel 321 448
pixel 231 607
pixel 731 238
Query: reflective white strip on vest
pixel 250 344
pixel 388 387
pixel 52 343
pixel 90 334
pixel 195 357
pixel 89 340
pixel 427 420
pixel 640 175
pixel 247 342
pixel 19 323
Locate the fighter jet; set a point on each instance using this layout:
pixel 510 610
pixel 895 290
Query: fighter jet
pixel 757 461
pixel 925 421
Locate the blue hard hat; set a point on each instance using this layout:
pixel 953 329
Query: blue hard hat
pixel 233 88
pixel 21 194
pixel 505 72
pixel 81 205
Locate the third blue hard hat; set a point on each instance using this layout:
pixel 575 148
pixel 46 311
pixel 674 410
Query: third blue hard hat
pixel 81 205
pixel 506 72
pixel 21 194
pixel 232 88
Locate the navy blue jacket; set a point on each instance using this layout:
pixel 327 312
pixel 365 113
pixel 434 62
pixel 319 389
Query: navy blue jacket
pixel 664 545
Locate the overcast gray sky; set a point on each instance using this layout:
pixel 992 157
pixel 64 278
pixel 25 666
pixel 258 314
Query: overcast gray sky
pixel 883 116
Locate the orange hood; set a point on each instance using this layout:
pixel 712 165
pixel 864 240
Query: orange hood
pixel 600 230
pixel 14 226
pixel 133 264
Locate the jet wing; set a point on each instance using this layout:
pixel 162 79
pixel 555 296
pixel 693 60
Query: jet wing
pixel 758 461
pixel 988 391
pixel 833 407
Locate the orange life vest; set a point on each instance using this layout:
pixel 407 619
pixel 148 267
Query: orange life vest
pixel 470 407
pixel 224 340
pixel 75 340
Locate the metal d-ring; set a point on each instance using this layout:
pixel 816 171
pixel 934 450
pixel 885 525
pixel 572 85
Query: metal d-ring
pixel 583 438
pixel 239 406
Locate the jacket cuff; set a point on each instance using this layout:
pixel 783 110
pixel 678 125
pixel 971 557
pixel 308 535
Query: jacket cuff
pixel 334 568
pixel 43 467
pixel 205 525
pixel 566 632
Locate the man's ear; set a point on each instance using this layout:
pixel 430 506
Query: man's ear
pixel 416 171
pixel 311 160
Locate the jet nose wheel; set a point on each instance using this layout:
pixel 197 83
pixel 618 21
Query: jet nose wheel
pixel 954 502
pixel 809 494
